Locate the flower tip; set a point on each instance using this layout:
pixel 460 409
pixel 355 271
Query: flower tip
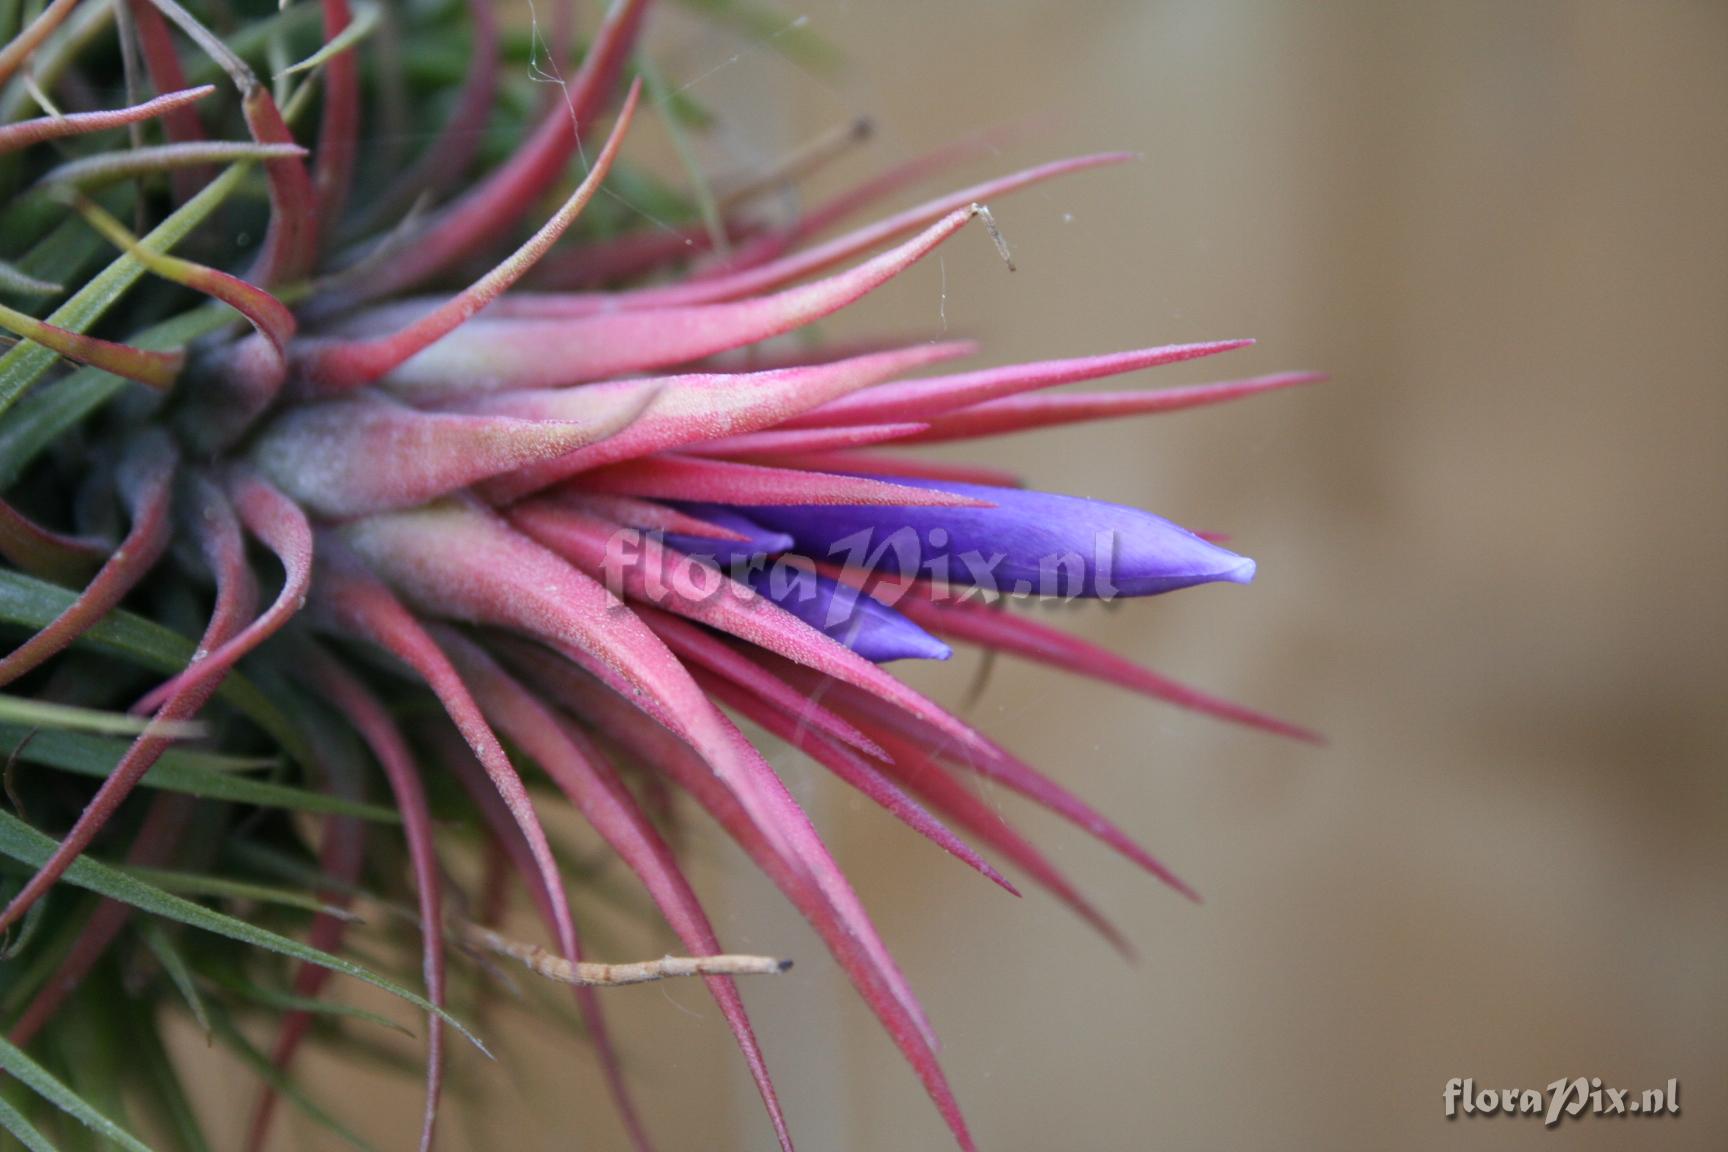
pixel 912 644
pixel 1241 572
pixel 1154 561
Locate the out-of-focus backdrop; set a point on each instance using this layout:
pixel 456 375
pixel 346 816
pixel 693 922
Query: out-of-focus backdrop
pixel 1493 568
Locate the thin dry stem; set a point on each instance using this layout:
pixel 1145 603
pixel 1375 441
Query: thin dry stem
pixel 983 212
pixel 590 975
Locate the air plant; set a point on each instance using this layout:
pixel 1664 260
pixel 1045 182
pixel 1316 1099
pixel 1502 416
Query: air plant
pixel 323 485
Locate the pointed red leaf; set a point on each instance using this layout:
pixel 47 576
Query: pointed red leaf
pixel 147 366
pixel 447 157
pixel 27 132
pixel 493 354
pixel 146 481
pixel 618 721
pixel 1020 413
pixel 342 365
pixel 339 124
pixel 673 477
pixel 341 856
pixel 924 399
pixel 868 778
pixel 369 453
pixel 677 411
pixel 1001 631
pixel 372 721
pixel 628 512
pixel 584 776
pixel 912 767
pixel 151 846
pixel 225 552
pixel 284 529
pixel 767 277
pixel 489 209
pixel 29 547
pixel 876 464
pixel 711 659
pixel 988 759
pixel 778 444
pixel 357 604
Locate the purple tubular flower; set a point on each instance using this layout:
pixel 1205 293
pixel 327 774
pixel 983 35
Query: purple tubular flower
pixel 1029 542
pixel 862 623
pixel 758 541
pixel 868 627
pixel 432 474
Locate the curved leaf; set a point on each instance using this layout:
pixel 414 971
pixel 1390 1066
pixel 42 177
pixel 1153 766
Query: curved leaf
pixel 47 412
pixel 65 717
pixel 179 770
pixel 289 1002
pixel 201 884
pixel 39 1080
pixel 34 603
pixel 23 843
pixel 13 1121
pixel 25 363
pixel 173 962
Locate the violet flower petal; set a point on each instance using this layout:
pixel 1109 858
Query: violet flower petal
pixel 757 540
pixel 1028 542
pixel 862 623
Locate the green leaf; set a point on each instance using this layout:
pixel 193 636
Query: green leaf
pixel 161 946
pixel 42 714
pixel 200 760
pixel 20 283
pixel 50 61
pixel 201 884
pixel 64 248
pixel 26 977
pixel 269 859
pixel 23 843
pixel 364 23
pixel 67 250
pixel 185 770
pixel 25 363
pixel 34 603
pixel 250 41
pixel 700 190
pixel 48 412
pixel 13 1121
pixel 11 945
pixel 289 1002
pixel 39 1080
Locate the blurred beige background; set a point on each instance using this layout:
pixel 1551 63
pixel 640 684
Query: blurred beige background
pixel 1492 568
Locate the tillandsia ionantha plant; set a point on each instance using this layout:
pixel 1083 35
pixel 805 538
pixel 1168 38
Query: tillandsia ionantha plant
pixel 323 485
